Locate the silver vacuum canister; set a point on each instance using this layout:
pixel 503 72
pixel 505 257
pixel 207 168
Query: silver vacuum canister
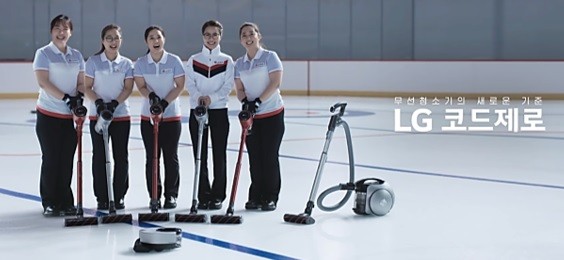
pixel 373 198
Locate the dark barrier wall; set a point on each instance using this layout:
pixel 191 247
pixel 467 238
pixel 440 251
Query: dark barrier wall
pixel 306 29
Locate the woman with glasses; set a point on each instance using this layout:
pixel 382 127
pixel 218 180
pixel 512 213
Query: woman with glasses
pixel 210 80
pixel 109 82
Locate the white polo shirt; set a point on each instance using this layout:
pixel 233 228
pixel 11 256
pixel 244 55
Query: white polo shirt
pixel 109 80
pixel 159 77
pixel 210 73
pixel 63 73
pixel 255 77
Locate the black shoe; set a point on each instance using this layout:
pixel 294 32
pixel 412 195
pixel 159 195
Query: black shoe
pixel 50 211
pixel 252 204
pixel 120 204
pixel 268 205
pixel 158 204
pixel 203 204
pixel 103 205
pixel 69 211
pixel 215 204
pixel 170 203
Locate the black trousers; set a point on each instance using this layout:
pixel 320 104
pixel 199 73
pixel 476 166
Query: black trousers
pixel 168 138
pixel 263 145
pixel 218 125
pixel 58 139
pixel 119 137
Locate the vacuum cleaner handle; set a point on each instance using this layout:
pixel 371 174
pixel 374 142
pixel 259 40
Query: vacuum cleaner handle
pixel 246 119
pixel 336 117
pixel 201 113
pixel 104 119
pixel 79 110
pixel 341 106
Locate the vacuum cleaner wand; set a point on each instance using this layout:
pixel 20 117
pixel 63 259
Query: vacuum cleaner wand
pixel 201 114
pixel 78 115
pixel 156 116
pixel 338 111
pixel 246 120
pixel 102 126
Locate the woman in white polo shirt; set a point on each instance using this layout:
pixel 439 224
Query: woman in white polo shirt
pixel 159 76
pixel 210 80
pixel 59 70
pixel 258 75
pixel 109 82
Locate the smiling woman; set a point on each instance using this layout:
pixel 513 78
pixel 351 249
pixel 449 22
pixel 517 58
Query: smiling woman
pixel 59 70
pixel 487 177
pixel 159 76
pixel 258 75
pixel 108 84
pixel 209 82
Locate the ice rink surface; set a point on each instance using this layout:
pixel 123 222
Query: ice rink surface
pixel 491 192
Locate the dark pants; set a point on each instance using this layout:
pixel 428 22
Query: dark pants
pixel 218 124
pixel 263 145
pixel 58 139
pixel 169 136
pixel 119 137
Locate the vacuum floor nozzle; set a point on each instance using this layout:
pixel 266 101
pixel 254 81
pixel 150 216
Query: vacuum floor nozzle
pixel 191 218
pixel 117 218
pixel 81 221
pixel 225 219
pixel 153 216
pixel 299 219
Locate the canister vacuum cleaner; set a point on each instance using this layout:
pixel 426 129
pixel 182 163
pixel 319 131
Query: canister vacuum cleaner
pixel 373 196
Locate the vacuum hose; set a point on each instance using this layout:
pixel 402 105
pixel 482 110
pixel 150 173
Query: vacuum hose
pixel 349 187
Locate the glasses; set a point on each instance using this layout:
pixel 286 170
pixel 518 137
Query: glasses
pixel 211 35
pixel 111 39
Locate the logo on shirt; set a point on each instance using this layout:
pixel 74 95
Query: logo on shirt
pixel 259 64
pixel 165 71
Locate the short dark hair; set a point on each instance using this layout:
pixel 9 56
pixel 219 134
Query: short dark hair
pixel 212 23
pixel 61 19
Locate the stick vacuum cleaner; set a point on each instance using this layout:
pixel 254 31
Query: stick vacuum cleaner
pixel 201 113
pixel 246 120
pixel 102 127
pixel 156 117
pixel 373 196
pixel 79 112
